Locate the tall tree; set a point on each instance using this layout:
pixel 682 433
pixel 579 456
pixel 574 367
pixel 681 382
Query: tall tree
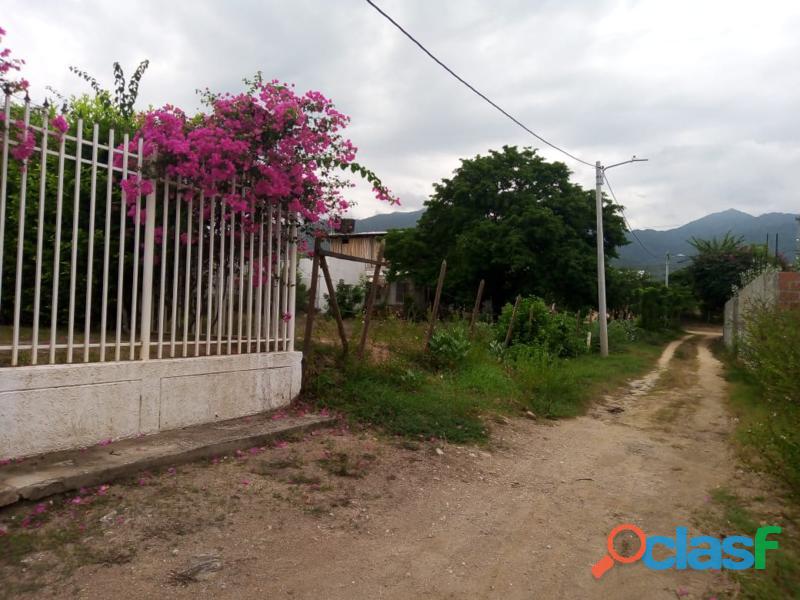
pixel 515 220
pixel 720 264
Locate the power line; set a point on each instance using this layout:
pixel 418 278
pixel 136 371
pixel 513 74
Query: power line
pixel 625 219
pixel 472 88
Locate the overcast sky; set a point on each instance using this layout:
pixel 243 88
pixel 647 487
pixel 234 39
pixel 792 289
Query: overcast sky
pixel 709 91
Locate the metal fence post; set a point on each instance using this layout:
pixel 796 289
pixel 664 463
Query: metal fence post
pixel 147 272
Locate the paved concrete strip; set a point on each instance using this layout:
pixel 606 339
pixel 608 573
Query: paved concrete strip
pixel 49 474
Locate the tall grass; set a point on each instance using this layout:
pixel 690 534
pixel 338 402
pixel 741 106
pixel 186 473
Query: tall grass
pixel 766 391
pixel 406 391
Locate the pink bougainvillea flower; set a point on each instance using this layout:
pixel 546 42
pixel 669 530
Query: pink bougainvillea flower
pixel 3 531
pixel 103 489
pixel 254 450
pixel 77 500
pixel 324 412
pixel 40 508
pixel 245 482
pixel 286 317
pixel 172 471
pixel 59 125
pixel 26 142
pixel 5 461
pixel 105 442
pixel 281 444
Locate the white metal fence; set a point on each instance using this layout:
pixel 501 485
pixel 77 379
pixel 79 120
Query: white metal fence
pixel 88 275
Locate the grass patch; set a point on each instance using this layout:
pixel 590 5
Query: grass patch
pixel 766 437
pixel 730 514
pixel 768 431
pixel 408 395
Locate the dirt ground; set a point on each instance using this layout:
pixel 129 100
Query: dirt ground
pixel 341 514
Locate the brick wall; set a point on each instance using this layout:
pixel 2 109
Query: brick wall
pixel 789 290
pixel 770 289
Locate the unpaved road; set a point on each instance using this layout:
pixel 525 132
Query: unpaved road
pixel 523 518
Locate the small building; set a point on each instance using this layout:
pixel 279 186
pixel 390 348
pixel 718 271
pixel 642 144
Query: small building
pixel 392 294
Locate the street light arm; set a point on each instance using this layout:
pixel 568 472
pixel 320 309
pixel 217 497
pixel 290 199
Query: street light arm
pixel 625 162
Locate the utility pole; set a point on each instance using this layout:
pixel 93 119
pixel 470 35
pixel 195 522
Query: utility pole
pixel 666 271
pixel 600 174
pixel 797 243
pixel 601 261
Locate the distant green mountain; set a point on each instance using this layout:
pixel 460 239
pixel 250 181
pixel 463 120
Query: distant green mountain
pixel 649 254
pixel 393 220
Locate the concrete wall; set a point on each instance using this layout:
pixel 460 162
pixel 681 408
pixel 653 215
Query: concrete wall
pixel 768 289
pixel 58 407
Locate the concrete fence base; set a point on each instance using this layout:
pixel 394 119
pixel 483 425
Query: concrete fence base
pixel 60 407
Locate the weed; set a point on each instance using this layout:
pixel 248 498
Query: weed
pixel 341 465
pixel 303 479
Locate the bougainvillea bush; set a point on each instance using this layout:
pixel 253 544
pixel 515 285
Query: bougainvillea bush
pixel 265 147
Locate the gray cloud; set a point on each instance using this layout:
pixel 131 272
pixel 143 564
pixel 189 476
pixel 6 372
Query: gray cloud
pixel 708 91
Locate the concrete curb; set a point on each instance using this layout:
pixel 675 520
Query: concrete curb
pixel 48 474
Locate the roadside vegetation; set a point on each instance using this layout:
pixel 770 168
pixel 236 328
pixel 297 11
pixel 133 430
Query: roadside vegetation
pixel 765 401
pixel 453 391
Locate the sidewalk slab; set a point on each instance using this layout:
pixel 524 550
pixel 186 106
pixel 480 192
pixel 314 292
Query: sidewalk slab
pixel 48 474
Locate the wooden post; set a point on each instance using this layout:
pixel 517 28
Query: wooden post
pixel 511 323
pixel 373 291
pixel 476 308
pixel 333 302
pixel 312 304
pixel 436 299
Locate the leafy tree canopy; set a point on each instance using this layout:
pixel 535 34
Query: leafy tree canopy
pixel 719 265
pixel 515 220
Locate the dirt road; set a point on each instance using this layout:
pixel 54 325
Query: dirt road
pixel 350 516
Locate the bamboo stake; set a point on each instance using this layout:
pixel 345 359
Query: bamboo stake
pixel 511 323
pixel 334 302
pixel 436 299
pixel 476 308
pixel 373 291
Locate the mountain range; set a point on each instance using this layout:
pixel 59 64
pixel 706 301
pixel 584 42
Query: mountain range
pixel 648 247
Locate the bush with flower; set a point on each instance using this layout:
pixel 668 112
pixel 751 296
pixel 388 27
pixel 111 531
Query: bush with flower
pixel 269 146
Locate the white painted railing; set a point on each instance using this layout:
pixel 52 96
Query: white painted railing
pixel 182 278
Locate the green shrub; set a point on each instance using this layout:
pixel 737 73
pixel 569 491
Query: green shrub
pixel 350 298
pixel 770 348
pixel 661 307
pixel 769 351
pixel 621 333
pixel 449 347
pixel 563 334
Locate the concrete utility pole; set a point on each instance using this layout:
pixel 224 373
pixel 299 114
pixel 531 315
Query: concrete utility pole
pixel 600 174
pixel 797 242
pixel 601 261
pixel 666 267
pixel 666 271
